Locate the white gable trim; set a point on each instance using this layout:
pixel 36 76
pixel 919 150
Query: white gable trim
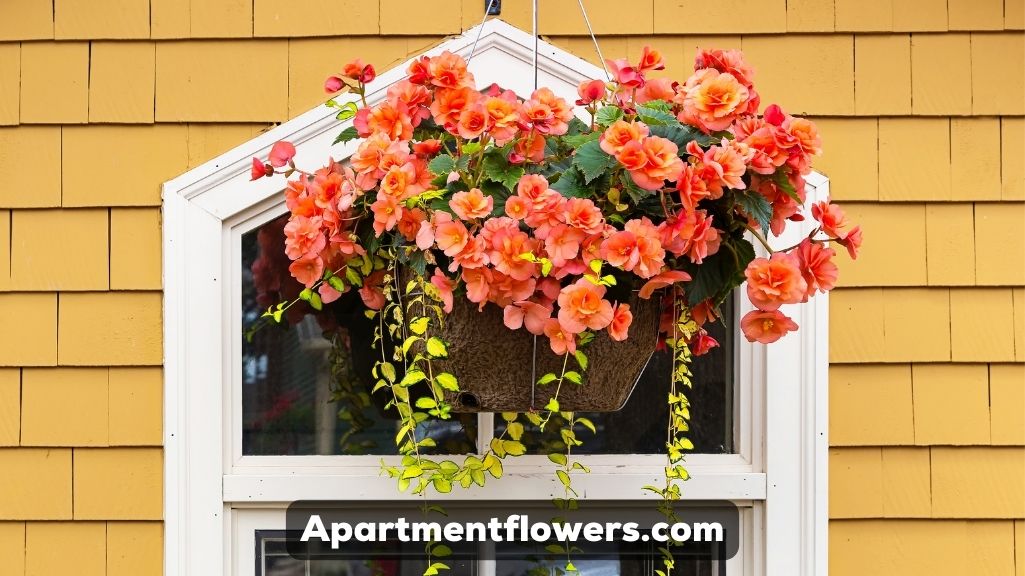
pixel 200 208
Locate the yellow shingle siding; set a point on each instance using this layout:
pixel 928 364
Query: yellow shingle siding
pixel 920 103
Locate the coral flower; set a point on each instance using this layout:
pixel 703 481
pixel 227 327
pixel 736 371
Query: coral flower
pixel 303 237
pixel 582 305
pixel 445 287
pixel 281 153
pixel 852 241
pixel 766 326
pixel 590 91
pixel 448 70
pixel 357 70
pixel 581 213
pixel 449 104
pixel 621 133
pixel 621 251
pixel 619 328
pixel 472 121
pixel 663 280
pixel 831 217
pixel 772 282
pixel 471 205
pixel 561 341
pixel 728 61
pixel 817 267
pixel 531 147
pixel 702 343
pixel 656 89
pixel 527 314
pixel 386 118
pixel 661 163
pixel 259 170
pixel 563 243
pixel 651 59
pixel 387 212
pixel 624 73
pixel 333 84
pixel 307 270
pixel 517 207
pixel 451 237
pixel 712 99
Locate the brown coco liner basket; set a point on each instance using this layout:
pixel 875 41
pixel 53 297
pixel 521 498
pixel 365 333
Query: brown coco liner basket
pixel 498 368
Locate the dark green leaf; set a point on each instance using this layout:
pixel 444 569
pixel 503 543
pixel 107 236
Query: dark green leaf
pixel 781 180
pixel 756 206
pixel 579 140
pixel 498 169
pixel 592 161
pixel 346 135
pixel 571 184
pixel 442 164
pixel 679 134
pixel 652 116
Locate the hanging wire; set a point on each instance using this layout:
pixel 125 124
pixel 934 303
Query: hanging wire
pixel 535 42
pixel 597 49
pixel 487 10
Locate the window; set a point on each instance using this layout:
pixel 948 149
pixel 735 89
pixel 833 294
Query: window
pixel 250 426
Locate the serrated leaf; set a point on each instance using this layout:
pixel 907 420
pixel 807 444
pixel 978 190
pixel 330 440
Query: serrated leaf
pixel 498 169
pixel 571 184
pixel 592 161
pixel 336 283
pixel 678 134
pixel 346 135
pixel 607 115
pixel 756 206
pixel 442 165
pixel 653 116
pixel 581 139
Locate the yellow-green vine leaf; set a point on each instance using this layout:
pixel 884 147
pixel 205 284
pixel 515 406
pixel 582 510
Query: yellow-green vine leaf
pixel 581 359
pixel 558 458
pixel 552 405
pixel 547 379
pixel 442 484
pixel 514 448
pixel 515 430
pixel 412 377
pixel 419 326
pixel 586 423
pixel 563 477
pixel 426 403
pixel 388 371
pixel 447 381
pixel 437 348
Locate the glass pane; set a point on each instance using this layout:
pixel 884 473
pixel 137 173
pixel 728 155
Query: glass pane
pixel 640 426
pixel 306 382
pixel 273 560
pixel 693 559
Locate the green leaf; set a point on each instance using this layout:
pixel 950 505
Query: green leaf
pixel 347 111
pixel 515 430
pixel 653 116
pixel 419 325
pixel 592 161
pixel 514 448
pixel 756 206
pixel 679 134
pixel 581 139
pixel 353 276
pixel 336 283
pixel 607 115
pixel 412 377
pixel 571 184
pixel 552 405
pixel 442 165
pixel 388 371
pixel 498 169
pixel 441 551
pixel 563 477
pixel 306 294
pixel 547 379
pixel 315 302
pixel 442 484
pixel 346 135
pixel 447 381
pixel 437 348
pixel 558 458
pixel 573 377
pixel 426 403
pixel 586 423
pixel 781 180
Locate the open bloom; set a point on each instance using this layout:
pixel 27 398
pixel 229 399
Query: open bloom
pixel 619 328
pixel 448 70
pixel 307 270
pixel 766 327
pixel 772 282
pixel 445 286
pixel 471 205
pixel 582 305
pixel 561 341
pixel 817 267
pixel 712 99
pixel 281 153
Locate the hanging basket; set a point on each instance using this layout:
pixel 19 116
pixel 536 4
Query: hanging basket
pixel 498 368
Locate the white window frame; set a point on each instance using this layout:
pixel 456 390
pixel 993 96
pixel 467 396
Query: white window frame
pixel 778 474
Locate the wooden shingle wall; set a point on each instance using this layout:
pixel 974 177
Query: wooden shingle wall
pixel 921 103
